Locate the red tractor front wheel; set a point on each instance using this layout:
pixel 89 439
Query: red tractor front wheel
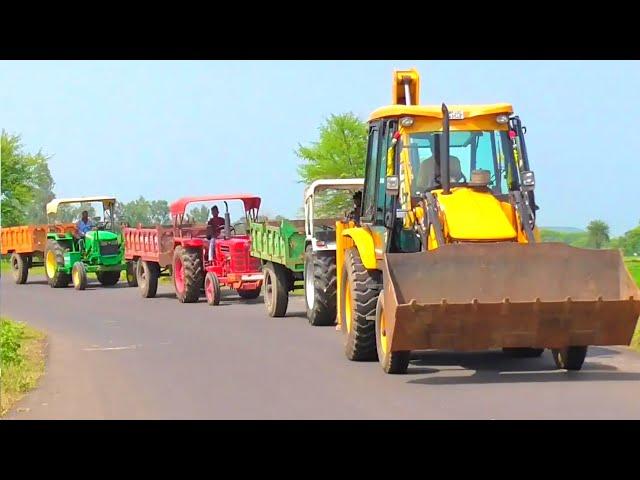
pixel 212 289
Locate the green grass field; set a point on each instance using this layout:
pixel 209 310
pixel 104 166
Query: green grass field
pixel 22 359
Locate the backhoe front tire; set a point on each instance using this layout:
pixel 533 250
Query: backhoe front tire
pixel 276 291
pixel 188 274
pixel 147 274
pixel 320 287
pixel 570 358
pixel 20 267
pixel 360 289
pixel 54 263
pixel 108 278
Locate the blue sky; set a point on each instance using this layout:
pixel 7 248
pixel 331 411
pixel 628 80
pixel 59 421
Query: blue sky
pixel 169 129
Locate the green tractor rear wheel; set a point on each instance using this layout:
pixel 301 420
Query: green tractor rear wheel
pixel 54 263
pixel 108 278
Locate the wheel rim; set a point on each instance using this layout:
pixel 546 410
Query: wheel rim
pixel 384 340
pixel 76 276
pixel 347 308
pixel 309 288
pixel 142 275
pixel 208 288
pixel 51 265
pixel 268 287
pixel 179 275
pixel 14 263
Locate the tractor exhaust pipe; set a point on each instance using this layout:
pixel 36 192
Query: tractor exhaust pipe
pixel 444 152
pixel 227 221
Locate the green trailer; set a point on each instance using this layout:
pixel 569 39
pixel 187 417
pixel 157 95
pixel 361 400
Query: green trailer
pixel 294 251
pixel 280 246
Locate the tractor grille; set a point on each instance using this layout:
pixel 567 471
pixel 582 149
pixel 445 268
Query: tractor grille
pixel 109 248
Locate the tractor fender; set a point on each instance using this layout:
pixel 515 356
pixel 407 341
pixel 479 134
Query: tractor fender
pixel 364 243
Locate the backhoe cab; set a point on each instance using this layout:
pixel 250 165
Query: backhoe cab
pixel 447 254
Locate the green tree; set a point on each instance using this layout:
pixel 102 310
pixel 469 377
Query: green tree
pixel 71 212
pixel 199 214
pixel 159 212
pixel 629 243
pixel 136 212
pixel 339 153
pixel 26 182
pixel 598 232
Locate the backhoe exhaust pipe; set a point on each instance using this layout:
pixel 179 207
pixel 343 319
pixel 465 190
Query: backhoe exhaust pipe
pixel 444 152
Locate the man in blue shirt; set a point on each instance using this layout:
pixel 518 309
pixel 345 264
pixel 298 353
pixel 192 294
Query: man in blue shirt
pixel 84 224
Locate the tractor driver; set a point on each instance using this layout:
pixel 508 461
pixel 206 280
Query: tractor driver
pixel 82 227
pixel 84 224
pixel 214 225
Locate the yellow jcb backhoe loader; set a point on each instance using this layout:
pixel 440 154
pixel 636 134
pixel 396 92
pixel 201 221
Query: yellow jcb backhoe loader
pixel 447 254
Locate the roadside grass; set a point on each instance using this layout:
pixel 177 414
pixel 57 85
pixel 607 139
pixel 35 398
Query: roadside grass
pixel 21 361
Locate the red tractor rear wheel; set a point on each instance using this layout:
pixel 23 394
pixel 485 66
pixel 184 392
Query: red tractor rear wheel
pixel 188 275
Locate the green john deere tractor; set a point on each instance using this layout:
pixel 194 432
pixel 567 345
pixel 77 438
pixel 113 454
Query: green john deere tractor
pixel 70 256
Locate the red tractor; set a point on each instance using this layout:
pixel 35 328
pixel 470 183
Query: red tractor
pixel 200 257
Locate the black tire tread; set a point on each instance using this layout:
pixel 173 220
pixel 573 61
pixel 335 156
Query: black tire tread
pixel 193 274
pixel 151 271
pixel 23 262
pixel 360 343
pixel 60 279
pixel 278 307
pixel 325 286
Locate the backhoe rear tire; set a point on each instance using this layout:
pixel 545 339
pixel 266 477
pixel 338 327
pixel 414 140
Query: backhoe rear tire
pixel 320 287
pixel 54 262
pixel 147 274
pixel 20 267
pixel 360 289
pixel 276 291
pixel 188 274
pixel 108 278
pixel 523 352
pixel 570 358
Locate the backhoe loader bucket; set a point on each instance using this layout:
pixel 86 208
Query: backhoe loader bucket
pixel 482 296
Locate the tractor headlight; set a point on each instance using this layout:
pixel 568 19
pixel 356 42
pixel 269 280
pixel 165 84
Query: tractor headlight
pixel 502 119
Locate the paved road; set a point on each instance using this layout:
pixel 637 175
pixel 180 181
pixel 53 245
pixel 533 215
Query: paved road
pixel 114 355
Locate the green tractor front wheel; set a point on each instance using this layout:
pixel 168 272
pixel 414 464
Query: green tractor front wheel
pixel 54 265
pixel 79 276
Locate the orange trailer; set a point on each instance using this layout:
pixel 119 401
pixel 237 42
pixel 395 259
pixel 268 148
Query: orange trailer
pixel 25 242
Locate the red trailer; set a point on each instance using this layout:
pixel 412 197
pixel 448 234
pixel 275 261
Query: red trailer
pixel 183 250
